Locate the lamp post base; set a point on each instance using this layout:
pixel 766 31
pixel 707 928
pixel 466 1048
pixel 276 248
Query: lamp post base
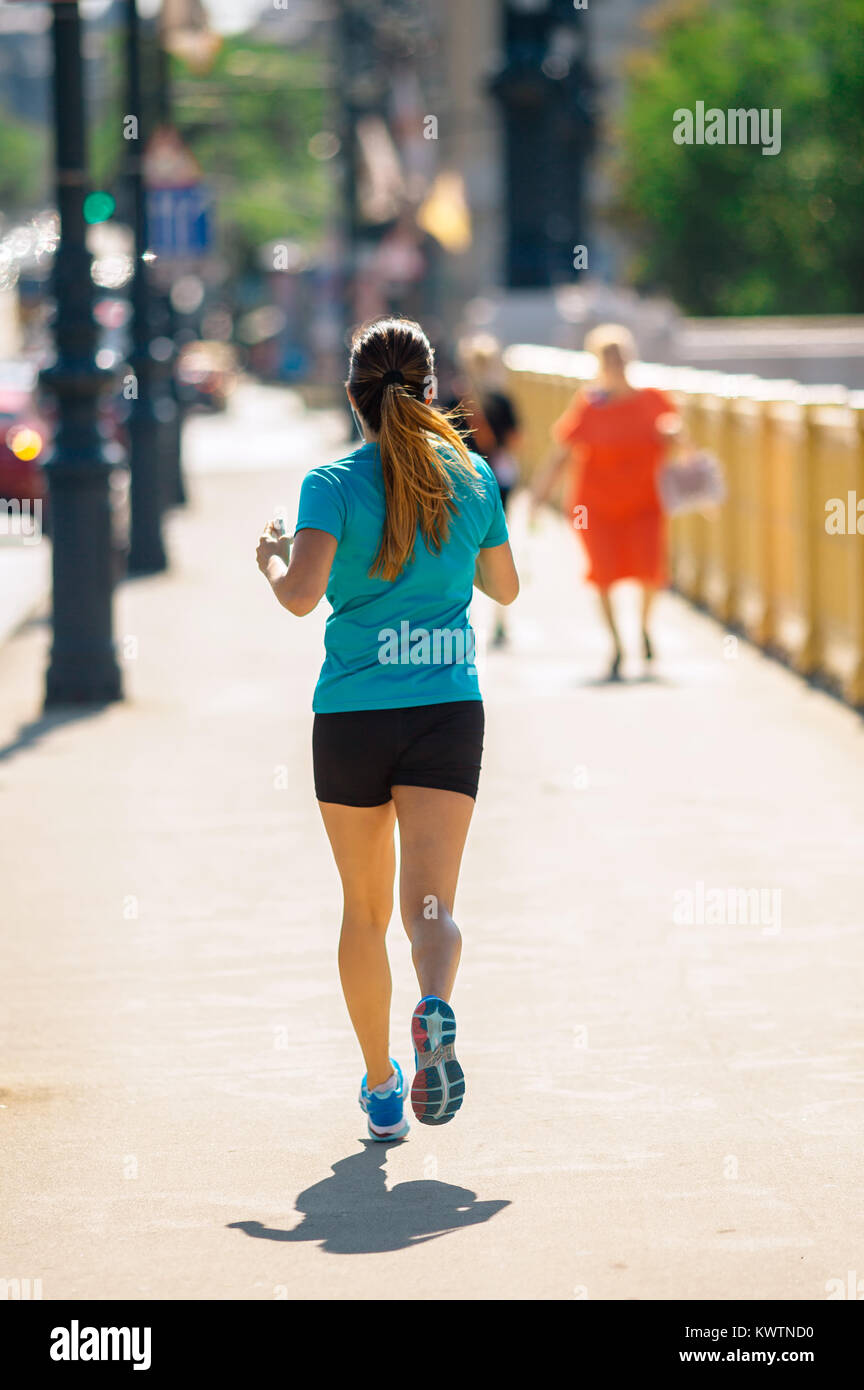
pixel 82 678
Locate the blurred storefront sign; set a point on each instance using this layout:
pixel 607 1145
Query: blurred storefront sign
pixel 178 200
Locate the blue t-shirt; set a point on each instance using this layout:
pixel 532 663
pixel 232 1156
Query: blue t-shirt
pixel 394 643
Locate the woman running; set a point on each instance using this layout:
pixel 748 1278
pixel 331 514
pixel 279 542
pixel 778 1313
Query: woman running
pixel 613 438
pixel 397 532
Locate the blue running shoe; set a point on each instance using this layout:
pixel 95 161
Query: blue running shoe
pixel 385 1114
pixel 439 1085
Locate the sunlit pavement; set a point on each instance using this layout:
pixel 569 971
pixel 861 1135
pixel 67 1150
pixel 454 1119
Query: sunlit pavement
pixel 658 1106
pixel 25 577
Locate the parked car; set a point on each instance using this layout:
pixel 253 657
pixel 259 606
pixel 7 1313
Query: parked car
pixel 27 426
pixel 24 435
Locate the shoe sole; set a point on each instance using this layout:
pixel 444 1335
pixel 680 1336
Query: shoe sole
pixel 439 1086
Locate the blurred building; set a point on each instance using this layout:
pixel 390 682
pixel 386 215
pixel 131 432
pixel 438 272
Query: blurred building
pixel 25 61
pixel 472 124
pixel 470 143
pixel 533 94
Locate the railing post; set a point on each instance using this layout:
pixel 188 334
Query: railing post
pixel 768 521
pixel 810 653
pixel 854 691
pixel 726 604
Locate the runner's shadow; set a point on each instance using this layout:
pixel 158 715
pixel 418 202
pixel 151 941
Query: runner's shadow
pixel 352 1212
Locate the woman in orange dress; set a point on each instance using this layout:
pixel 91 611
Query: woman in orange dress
pixel 614 439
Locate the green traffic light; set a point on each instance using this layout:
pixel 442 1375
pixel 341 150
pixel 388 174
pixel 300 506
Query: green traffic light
pixel 98 207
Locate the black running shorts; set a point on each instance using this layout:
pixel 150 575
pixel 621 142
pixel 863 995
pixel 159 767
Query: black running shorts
pixel 359 755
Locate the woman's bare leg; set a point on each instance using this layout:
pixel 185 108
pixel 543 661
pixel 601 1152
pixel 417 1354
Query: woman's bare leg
pixel 648 596
pixel 433 826
pixel 361 838
pixel 609 614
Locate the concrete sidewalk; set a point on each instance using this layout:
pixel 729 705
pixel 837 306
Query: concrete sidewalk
pixel 25 583
pixel 657 1107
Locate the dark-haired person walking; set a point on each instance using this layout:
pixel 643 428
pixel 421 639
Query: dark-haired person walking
pixel 488 423
pixel 397 533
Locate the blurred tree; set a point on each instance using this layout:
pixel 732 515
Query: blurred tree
pixel 249 123
pixel 24 171
pixel 724 228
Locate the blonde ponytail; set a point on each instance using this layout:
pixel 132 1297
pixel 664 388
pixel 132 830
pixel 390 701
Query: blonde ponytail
pixel 418 478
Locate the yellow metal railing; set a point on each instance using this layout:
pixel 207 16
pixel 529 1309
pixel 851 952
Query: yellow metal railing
pixel 783 559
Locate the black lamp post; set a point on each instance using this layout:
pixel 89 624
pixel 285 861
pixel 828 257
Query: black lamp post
pixel 350 36
pixel 146 548
pixel 164 320
pixel 545 92
pixel 83 667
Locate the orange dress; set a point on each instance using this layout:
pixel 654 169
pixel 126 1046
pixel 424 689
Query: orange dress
pixel 617 451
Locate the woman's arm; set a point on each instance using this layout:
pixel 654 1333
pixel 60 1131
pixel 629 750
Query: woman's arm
pixel 297 570
pixel 495 573
pixel 548 475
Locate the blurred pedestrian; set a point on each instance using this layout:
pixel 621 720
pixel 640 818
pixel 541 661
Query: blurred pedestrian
pixel 491 425
pixel 397 532
pixel 613 439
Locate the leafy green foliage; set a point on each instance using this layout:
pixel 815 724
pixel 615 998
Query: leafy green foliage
pixel 23 165
pixel 724 228
pixel 249 122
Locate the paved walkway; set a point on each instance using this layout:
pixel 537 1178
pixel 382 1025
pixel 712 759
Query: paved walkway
pixel 25 578
pixel 661 1104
